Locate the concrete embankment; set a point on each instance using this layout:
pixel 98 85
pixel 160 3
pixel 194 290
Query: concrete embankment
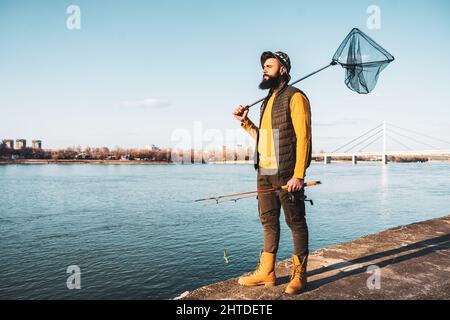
pixel 406 262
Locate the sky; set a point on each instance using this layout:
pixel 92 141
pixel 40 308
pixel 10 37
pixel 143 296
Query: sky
pixel 150 72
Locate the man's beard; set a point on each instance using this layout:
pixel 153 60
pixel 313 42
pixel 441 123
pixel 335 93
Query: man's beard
pixel 271 83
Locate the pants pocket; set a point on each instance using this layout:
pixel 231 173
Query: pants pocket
pixel 294 207
pixel 267 203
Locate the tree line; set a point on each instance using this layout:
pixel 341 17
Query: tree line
pixel 87 153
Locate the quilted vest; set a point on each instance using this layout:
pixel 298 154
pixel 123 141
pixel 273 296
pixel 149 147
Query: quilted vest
pixel 285 140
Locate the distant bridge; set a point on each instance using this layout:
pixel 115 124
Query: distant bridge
pixel 400 136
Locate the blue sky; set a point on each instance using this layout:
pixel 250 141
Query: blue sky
pixel 138 71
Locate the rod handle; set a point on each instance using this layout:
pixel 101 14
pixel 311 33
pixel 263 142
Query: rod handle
pixel 307 184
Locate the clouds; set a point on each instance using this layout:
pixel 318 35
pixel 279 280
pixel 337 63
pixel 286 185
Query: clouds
pixel 150 103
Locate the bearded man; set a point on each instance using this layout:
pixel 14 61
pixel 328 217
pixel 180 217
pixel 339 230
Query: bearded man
pixel 283 153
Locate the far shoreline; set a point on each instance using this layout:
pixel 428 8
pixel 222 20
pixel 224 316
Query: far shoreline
pixel 101 162
pixel 142 162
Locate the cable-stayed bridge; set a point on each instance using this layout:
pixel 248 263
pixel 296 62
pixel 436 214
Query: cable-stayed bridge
pixel 402 142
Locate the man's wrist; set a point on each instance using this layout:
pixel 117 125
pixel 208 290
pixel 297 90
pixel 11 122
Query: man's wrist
pixel 244 122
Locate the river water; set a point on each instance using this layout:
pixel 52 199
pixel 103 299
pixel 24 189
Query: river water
pixel 135 232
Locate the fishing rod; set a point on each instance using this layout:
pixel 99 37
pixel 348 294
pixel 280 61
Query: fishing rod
pixel 249 194
pixel 252 196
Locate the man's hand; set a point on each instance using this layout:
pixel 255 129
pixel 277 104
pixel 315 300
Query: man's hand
pixel 240 113
pixel 295 184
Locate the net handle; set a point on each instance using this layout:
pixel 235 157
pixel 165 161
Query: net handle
pixel 332 63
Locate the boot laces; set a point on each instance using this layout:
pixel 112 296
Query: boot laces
pixel 258 267
pixel 296 270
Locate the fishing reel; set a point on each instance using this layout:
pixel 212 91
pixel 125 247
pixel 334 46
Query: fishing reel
pixel 292 198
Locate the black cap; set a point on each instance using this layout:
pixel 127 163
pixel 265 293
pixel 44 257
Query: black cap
pixel 282 57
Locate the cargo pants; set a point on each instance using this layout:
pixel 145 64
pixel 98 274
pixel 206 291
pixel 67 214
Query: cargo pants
pixel 293 204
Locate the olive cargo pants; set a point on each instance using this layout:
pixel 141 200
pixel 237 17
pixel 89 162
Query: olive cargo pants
pixel 269 206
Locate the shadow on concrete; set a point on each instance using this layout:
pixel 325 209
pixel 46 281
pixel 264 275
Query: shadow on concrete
pixel 428 246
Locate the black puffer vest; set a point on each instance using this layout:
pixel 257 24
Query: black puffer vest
pixel 286 144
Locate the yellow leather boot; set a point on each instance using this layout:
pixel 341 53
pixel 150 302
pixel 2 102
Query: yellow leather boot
pixel 264 273
pixel 298 275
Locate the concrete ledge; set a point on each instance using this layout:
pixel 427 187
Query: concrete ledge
pixel 414 262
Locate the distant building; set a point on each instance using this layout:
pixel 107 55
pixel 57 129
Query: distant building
pixel 9 143
pixel 83 156
pixel 36 144
pixel 21 143
pixel 151 147
pixel 126 157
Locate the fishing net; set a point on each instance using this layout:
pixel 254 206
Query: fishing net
pixel 363 59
